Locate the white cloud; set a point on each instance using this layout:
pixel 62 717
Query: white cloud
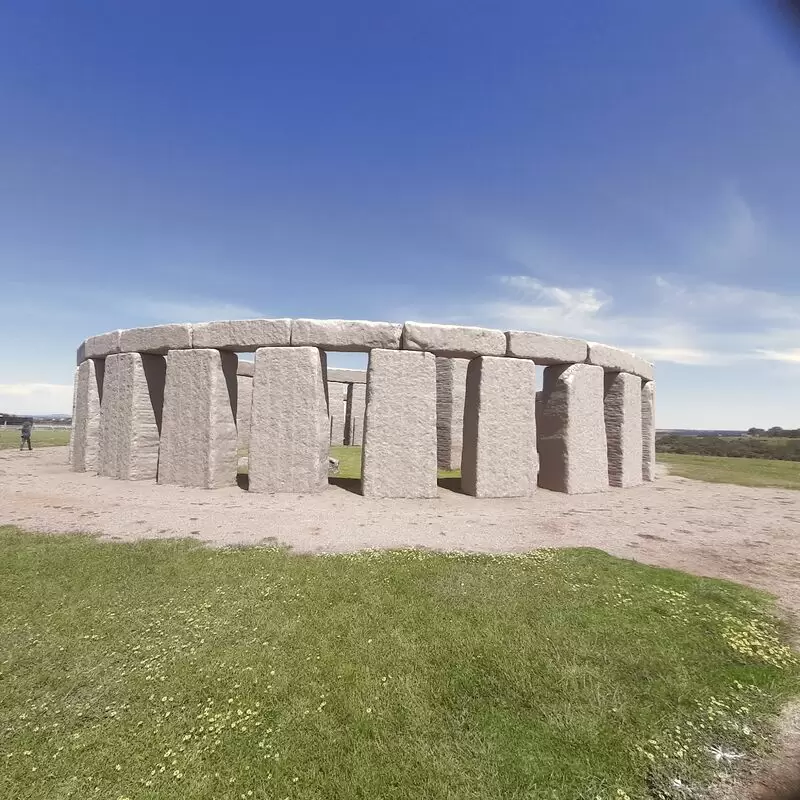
pixel 191 310
pixel 683 323
pixel 35 398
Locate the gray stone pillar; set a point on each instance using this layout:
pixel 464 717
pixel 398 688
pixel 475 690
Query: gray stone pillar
pixel 354 421
pixel 86 419
pixel 499 453
pixel 243 408
pixel 571 433
pixel 198 433
pixel 74 412
pixel 648 430
pixel 451 384
pixel 289 437
pixel 130 417
pixel 336 404
pixel 399 455
pixel 623 414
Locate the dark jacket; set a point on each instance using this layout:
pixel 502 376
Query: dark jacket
pixel 26 429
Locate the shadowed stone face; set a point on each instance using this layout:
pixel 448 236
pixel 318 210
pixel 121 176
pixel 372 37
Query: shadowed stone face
pixel 571 433
pixel 399 455
pixel 289 422
pixel 648 430
pixel 623 414
pixel 130 417
pixel 86 420
pixel 451 384
pixel 499 456
pixel 356 406
pixel 198 434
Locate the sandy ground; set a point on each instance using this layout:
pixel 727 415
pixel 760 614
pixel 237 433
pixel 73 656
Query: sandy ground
pixel 747 535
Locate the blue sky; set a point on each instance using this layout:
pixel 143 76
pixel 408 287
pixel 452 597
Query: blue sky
pixel 623 171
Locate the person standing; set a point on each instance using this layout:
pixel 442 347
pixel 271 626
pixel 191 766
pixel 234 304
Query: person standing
pixel 26 434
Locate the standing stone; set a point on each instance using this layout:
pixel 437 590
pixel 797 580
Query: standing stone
pixel 198 434
pixel 243 410
pixel 623 413
pixel 571 433
pixel 289 425
pixel 499 453
pixel 86 419
pixel 648 430
pixel 130 417
pixel 399 455
pixel 451 386
pixel 74 412
pixel 356 407
pixel 337 412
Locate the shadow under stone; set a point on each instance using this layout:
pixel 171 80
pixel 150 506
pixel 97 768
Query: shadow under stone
pixel 451 484
pixel 348 484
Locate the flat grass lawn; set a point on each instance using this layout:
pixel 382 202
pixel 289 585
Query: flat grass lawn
pixel 741 471
pixel 40 437
pixel 163 669
pixel 350 464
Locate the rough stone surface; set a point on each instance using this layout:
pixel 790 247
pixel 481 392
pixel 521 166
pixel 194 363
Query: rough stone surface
pixel 198 433
pixel 244 335
pixel 289 435
pixel 399 454
pixel 74 413
pixel 100 346
pixel 455 341
pixel 623 416
pixel 156 339
pixel 86 419
pixel 337 412
pixel 499 453
pixel 244 404
pixel 612 359
pixel 571 433
pixel 346 335
pixel 546 349
pixel 347 375
pixel 451 385
pixel 356 405
pixel 648 430
pixel 245 368
pixel 130 416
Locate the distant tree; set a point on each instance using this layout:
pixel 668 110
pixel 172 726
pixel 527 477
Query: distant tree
pixel 756 431
pixel 776 431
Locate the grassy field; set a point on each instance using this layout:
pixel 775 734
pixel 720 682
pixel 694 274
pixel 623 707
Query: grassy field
pixel 166 670
pixel 741 471
pixel 41 437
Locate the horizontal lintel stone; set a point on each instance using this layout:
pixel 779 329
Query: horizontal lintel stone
pixel 157 339
pixel 100 346
pixel 454 341
pixel 244 335
pixel 543 348
pixel 245 368
pixel 346 335
pixel 612 359
pixel 347 375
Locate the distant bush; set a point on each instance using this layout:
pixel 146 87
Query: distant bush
pixel 740 447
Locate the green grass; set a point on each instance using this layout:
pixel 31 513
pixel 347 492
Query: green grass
pixel 350 464
pixel 166 670
pixel 40 437
pixel 741 471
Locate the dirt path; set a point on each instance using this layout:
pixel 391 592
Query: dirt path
pixel 747 535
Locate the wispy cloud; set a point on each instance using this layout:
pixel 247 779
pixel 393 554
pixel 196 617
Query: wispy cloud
pixel 192 310
pixel 35 398
pixel 681 322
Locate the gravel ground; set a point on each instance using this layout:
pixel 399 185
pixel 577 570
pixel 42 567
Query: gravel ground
pixel 748 535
